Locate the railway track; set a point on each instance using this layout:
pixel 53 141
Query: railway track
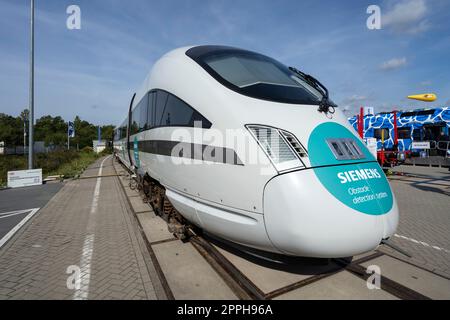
pixel 239 282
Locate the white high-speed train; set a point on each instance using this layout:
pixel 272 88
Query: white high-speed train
pixel 294 178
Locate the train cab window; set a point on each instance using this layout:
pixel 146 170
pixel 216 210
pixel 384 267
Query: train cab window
pixel 160 104
pixel 404 133
pixel 254 75
pixel 377 133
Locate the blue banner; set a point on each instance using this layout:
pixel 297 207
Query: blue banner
pixel 99 134
pixel 71 130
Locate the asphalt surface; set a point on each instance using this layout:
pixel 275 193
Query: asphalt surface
pixel 13 200
pixel 27 198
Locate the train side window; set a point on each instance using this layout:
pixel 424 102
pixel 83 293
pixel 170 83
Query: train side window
pixel 123 132
pixel 135 121
pixel 404 133
pixel 161 100
pixel 142 109
pixel 417 134
pixel 151 109
pixel 377 133
pixel 177 113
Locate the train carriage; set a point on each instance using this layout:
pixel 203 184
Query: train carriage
pixel 431 124
pixel 255 152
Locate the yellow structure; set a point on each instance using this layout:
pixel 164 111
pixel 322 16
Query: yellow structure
pixel 427 97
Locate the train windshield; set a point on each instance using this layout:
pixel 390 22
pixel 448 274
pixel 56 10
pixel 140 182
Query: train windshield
pixel 257 76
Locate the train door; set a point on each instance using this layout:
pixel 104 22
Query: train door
pixel 436 134
pixel 128 145
pixel 435 131
pixel 405 138
pixel 418 134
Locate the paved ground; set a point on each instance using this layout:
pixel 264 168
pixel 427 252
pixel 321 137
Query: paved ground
pixel 14 201
pixel 424 228
pixel 430 161
pixel 426 172
pixel 86 230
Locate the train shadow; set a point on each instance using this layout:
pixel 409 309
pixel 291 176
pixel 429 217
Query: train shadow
pixel 294 265
pixel 431 189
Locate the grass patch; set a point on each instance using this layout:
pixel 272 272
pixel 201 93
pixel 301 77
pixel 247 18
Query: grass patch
pixel 66 163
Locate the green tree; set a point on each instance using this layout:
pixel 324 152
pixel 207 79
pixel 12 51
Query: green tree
pixel 107 132
pixel 53 131
pixel 11 130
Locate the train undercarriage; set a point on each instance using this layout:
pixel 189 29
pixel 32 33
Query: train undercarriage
pixel 155 195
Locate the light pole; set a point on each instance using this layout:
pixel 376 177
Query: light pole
pixel 24 135
pixel 31 113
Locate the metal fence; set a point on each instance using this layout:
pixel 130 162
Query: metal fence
pixel 39 147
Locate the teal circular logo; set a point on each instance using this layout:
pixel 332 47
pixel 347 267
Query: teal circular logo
pixel 359 184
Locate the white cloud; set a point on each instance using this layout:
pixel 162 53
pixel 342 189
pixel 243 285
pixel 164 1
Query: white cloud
pixel 351 105
pixel 407 16
pixel 394 63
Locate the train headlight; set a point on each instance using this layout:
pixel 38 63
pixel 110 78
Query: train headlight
pixel 281 147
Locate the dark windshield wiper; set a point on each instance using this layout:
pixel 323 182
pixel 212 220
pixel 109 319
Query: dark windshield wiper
pixel 325 104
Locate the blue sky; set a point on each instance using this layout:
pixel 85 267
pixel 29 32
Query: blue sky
pixel 93 72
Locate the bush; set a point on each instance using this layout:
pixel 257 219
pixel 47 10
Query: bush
pixel 11 163
pixel 87 149
pixel 76 165
pixel 105 152
pixel 63 162
pixel 52 161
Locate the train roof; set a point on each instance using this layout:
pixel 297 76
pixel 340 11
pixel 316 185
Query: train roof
pixel 409 113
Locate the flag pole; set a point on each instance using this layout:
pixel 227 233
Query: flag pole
pixel 68 135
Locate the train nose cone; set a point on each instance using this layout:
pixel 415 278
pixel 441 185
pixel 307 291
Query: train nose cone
pixel 315 213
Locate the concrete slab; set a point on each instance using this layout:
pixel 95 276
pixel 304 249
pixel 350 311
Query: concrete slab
pixel 342 285
pixel 129 192
pixel 414 278
pixel 154 227
pixel 139 206
pixel 269 276
pixel 189 276
pixel 125 181
pixel 363 255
